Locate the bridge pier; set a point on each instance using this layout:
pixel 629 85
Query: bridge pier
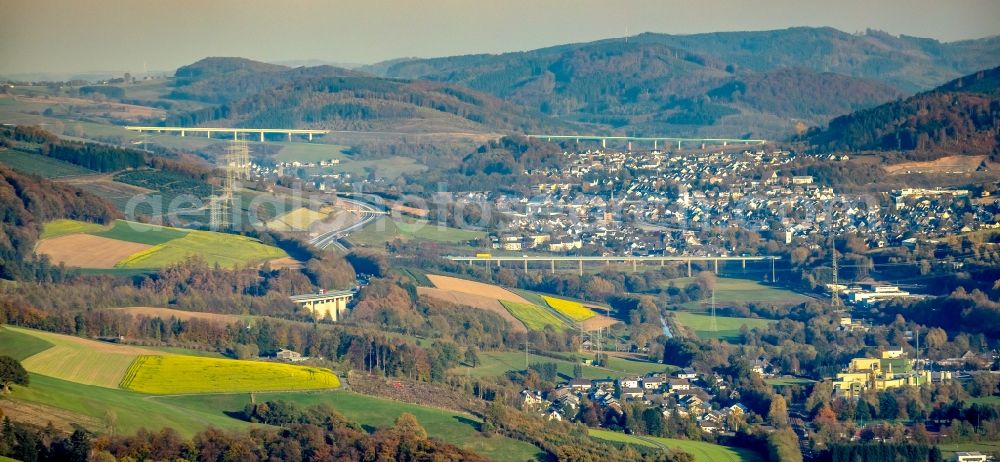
pixel 498 263
pixel 716 261
pixel 629 146
pixel 182 132
pixel 689 267
pixel 581 267
pixel 310 137
pixel 635 265
pixel 553 262
pixel 678 144
pixel 654 145
pixel 604 142
pixel 289 136
pixel 208 134
pixel 525 265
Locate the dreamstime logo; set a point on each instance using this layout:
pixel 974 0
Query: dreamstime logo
pixel 480 211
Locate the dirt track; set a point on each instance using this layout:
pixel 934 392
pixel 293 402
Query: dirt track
pixel 475 301
pixel 86 251
pixel 949 164
pixel 167 313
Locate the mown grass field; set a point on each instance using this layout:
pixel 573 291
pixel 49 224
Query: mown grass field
pixel 728 328
pixel 573 310
pixel 788 380
pixel 702 451
pixel 76 359
pixel 63 227
pixel 495 363
pixel 131 411
pixel 226 250
pixel 141 233
pixel 534 317
pixel 35 164
pixel 19 345
pixel 189 374
pixel 389 168
pixel 384 230
pixel 733 291
pixel 309 152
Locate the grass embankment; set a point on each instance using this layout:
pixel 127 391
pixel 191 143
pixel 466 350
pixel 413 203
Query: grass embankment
pixel 384 229
pixel 39 165
pixel 727 327
pixel 702 451
pixel 174 374
pixel 63 227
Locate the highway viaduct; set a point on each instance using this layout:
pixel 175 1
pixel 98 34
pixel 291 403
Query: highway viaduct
pixel 235 131
pixel 607 260
pixel 655 140
pixel 321 305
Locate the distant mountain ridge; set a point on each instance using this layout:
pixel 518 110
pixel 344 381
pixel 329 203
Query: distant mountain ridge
pixel 251 93
pixel 678 84
pixel 959 117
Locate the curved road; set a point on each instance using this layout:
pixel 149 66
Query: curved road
pixel 368 214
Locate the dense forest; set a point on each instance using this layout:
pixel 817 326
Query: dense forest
pixel 957 118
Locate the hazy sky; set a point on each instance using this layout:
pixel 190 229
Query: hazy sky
pixel 114 35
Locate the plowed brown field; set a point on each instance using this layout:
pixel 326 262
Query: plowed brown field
pixel 86 251
pixel 475 288
pixel 475 301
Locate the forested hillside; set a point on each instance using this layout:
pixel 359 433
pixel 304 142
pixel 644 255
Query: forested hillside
pixel 959 117
pixel 219 80
pixel 28 202
pixel 359 103
pixel 763 81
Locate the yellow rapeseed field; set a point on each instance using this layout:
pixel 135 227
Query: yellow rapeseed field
pixel 573 310
pixel 189 374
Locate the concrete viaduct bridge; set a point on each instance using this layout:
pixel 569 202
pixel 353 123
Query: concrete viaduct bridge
pixel 322 304
pixel 235 131
pixel 655 140
pixel 580 260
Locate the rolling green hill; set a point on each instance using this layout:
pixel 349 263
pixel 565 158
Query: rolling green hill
pixel 102 409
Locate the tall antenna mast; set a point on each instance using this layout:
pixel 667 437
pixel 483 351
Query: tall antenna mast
pixel 835 292
pixel 715 326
